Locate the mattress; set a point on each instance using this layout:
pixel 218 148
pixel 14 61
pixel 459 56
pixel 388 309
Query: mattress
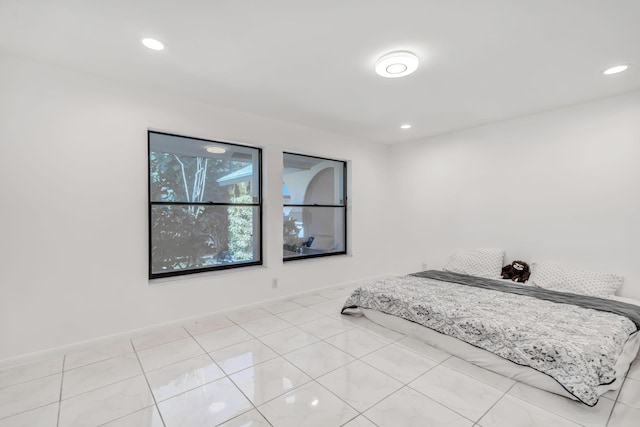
pixel 497 364
pixel 575 346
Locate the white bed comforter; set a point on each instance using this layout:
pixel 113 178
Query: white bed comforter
pixel 578 347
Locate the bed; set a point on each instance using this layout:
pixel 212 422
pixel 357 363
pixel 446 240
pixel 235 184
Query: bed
pixel 573 345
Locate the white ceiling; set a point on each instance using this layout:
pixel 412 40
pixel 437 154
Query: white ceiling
pixel 311 62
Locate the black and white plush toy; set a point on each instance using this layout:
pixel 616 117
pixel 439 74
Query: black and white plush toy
pixel 518 271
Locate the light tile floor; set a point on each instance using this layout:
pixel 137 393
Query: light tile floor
pixel 291 363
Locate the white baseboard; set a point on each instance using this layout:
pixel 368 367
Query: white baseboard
pixel 81 345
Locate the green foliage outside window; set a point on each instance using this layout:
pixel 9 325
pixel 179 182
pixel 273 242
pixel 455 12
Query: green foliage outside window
pixel 187 236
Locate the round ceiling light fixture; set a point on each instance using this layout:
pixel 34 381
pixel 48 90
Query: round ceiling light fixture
pixel 397 64
pixel 214 149
pixel 153 44
pixel 615 70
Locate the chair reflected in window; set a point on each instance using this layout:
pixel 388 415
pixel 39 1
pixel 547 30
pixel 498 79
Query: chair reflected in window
pixel 314 209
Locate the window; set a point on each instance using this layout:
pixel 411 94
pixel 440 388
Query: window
pixel 205 205
pixel 314 207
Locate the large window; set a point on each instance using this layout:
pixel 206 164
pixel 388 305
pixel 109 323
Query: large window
pixel 314 207
pixel 205 205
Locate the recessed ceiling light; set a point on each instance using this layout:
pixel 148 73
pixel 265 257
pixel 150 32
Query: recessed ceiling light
pixel 615 70
pixel 407 126
pixel 397 64
pixel 216 150
pixel 153 44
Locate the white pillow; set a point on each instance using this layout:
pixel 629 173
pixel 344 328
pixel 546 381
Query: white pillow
pixel 483 262
pixel 567 278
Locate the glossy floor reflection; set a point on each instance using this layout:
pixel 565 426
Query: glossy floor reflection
pixel 290 363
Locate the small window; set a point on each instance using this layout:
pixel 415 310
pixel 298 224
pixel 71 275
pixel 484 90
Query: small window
pixel 314 207
pixel 205 205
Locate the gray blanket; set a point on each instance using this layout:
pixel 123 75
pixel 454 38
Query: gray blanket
pixel 630 311
pixel 576 346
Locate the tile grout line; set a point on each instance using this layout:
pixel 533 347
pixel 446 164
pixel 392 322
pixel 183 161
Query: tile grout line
pixel 272 332
pixel 4 418
pixel 381 371
pixel 128 339
pixel 104 385
pixel 370 420
pixel 534 404
pixel 244 413
pixel 358 413
pixel 153 346
pixel 451 409
pixel 229 378
pixel 168 342
pixel 474 378
pixel 155 403
pixel 496 402
pixel 44 405
pixel 442 404
pixel 135 351
pixel 615 402
pixel 282 356
pixel 199 355
pixel 221 348
pixel 558 414
pixel 250 401
pixel 97 361
pixel 82 394
pixel 258 410
pixel 388 343
pixel 355 359
pixel 127 415
pixel 313 380
pixel 573 421
pixel 64 359
pixel 441 363
pixel 28 381
pixel 295 349
pixel 205 352
pixel 204 319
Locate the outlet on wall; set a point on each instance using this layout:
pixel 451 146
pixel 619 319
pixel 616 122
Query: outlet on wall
pixel 274 283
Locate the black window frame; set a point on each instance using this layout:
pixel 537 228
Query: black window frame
pixel 259 205
pixel 344 206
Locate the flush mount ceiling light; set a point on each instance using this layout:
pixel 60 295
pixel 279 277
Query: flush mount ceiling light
pixel 153 44
pixel 407 126
pixel 615 70
pixel 216 150
pixel 397 64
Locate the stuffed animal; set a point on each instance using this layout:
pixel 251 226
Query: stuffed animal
pixel 518 271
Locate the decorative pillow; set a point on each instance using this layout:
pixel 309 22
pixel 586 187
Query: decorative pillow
pixel 567 278
pixel 483 262
pixel 527 283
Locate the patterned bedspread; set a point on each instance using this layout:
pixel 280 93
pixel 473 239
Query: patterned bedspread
pixel 576 346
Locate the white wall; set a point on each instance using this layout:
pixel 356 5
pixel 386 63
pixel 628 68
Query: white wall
pixel 73 185
pixel 561 185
